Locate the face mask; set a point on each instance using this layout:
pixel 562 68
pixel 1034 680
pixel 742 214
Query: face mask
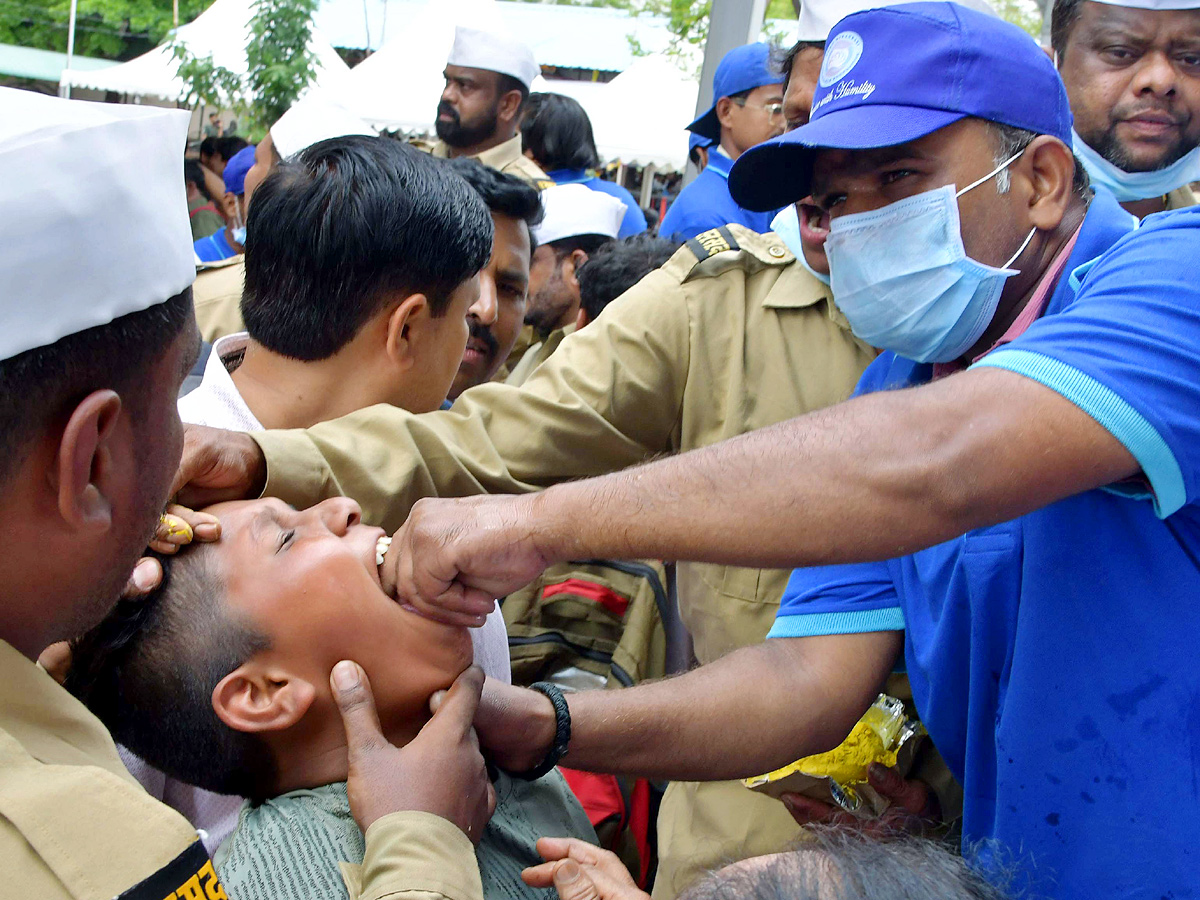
pixel 1127 186
pixel 786 224
pixel 239 234
pixel 903 279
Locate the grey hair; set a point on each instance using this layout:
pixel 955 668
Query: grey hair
pixel 1009 141
pixel 841 864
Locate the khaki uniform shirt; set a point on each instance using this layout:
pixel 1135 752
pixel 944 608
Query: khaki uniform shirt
pixel 536 355
pixel 217 297
pixel 508 158
pixel 74 825
pixel 1181 198
pixel 716 343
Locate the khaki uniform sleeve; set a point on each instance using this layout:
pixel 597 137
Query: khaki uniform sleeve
pixel 418 856
pixel 609 397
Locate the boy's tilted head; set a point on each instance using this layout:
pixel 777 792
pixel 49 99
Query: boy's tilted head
pixel 221 677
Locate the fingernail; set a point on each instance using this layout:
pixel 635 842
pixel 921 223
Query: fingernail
pixel 345 675
pixel 177 529
pixel 145 574
pixel 567 872
pixel 208 531
pixel 478 621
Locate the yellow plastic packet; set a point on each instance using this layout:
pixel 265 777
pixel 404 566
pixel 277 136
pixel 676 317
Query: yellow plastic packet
pixel 884 734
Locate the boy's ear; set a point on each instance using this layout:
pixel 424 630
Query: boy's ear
pixel 255 699
pixel 404 328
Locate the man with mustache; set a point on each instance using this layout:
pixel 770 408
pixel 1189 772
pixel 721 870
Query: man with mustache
pixel 488 77
pixel 495 319
pixel 1132 72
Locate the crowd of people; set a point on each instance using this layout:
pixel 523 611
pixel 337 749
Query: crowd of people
pixel 900 395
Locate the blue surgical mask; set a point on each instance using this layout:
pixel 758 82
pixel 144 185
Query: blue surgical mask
pixel 903 279
pixel 786 224
pixel 1129 186
pixel 239 234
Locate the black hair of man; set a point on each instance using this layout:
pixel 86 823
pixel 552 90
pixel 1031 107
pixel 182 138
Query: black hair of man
pixel 617 266
pixel 847 865
pixel 558 132
pixel 228 146
pixel 783 60
pixel 347 226
pixel 505 195
pixel 42 385
pixel 208 146
pixel 1062 18
pixel 194 174
pixel 506 83
pixel 148 672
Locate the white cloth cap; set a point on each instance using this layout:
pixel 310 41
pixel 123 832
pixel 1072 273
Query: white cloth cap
pixel 1158 5
pixel 495 52
pixel 817 17
pixel 575 209
pixel 94 211
pixel 312 119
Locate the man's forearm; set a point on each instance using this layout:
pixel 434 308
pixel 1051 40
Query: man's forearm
pixel 873 478
pixel 755 710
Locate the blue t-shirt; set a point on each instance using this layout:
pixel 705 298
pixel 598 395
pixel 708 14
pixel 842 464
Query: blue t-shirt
pixel 706 204
pixel 1053 658
pixel 214 247
pixel 633 223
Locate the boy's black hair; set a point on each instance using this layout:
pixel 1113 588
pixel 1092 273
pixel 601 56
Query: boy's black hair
pixel 344 227
pixel 148 672
pixel 617 266
pixel 558 132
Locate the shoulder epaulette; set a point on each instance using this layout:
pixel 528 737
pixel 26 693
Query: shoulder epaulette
pixel 710 243
pixel 542 183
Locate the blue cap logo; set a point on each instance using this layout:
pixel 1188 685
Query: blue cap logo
pixel 841 55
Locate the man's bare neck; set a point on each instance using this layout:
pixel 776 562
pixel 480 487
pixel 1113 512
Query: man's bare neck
pixel 1143 208
pixel 483 146
pixel 291 393
pixel 1007 312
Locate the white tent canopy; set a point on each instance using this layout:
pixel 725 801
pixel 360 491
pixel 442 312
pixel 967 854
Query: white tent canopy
pixel 639 117
pixel 221 31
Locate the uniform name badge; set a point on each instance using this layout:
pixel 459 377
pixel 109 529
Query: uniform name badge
pixel 189 876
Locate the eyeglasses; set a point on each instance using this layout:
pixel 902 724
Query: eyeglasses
pixel 773 110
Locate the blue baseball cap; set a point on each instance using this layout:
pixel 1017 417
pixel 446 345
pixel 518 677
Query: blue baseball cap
pixel 741 69
pixel 235 170
pixel 698 140
pixel 896 74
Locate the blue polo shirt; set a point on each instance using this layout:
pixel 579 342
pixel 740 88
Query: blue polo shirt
pixel 706 204
pixel 214 247
pixel 1054 658
pixel 633 222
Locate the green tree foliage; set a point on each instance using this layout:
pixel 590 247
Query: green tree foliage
pixel 111 29
pixel 280 66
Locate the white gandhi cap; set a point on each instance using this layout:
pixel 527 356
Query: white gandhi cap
pixel 94 213
pixel 575 209
pixel 312 119
pixel 477 49
pixel 1158 5
pixel 817 17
